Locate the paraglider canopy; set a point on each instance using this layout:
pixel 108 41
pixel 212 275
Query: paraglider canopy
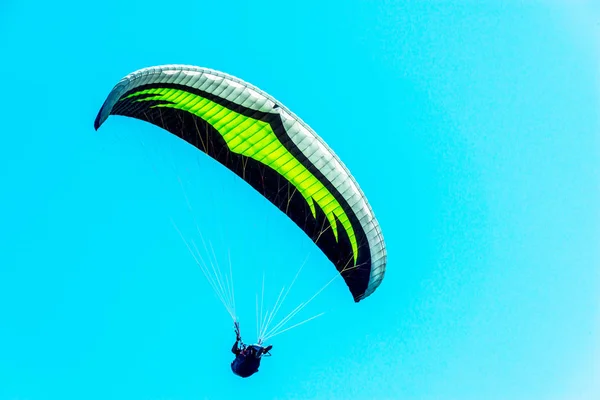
pixel 271 149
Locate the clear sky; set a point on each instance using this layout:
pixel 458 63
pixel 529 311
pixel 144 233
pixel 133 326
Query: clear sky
pixel 472 127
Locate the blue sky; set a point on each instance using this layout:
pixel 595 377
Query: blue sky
pixel 472 127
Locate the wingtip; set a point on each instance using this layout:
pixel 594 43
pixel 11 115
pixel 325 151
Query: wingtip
pixel 97 121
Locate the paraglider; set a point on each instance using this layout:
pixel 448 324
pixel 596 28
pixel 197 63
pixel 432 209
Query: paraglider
pixel 271 149
pixel 247 358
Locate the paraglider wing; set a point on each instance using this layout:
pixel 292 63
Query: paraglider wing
pixel 270 148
